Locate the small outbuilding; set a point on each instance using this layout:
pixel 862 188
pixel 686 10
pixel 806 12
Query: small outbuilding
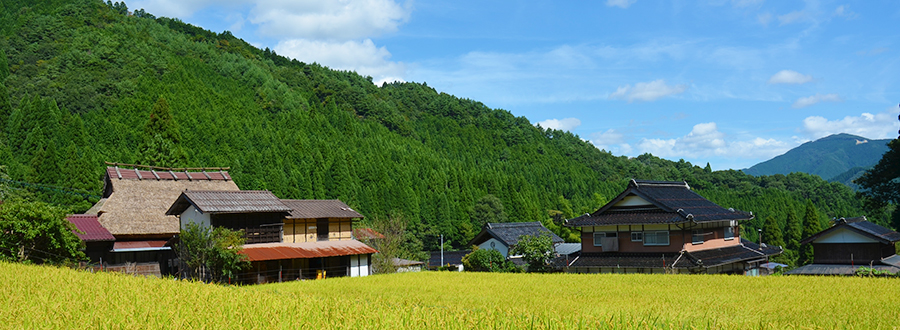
pixel 849 244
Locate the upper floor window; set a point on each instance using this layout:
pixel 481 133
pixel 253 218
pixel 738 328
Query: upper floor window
pixel 697 236
pixel 729 233
pixel 598 236
pixel 637 236
pixel 656 237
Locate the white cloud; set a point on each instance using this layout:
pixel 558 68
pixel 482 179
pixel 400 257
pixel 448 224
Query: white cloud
pixel 792 17
pixel 363 57
pixel 764 19
pixel 647 91
pixel 620 3
pixel 609 140
pixel 878 126
pixel 329 20
pixel 844 11
pixel 705 140
pixel 789 77
pixel 810 100
pixel 566 124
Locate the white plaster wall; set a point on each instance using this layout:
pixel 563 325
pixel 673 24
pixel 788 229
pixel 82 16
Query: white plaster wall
pixel 498 245
pixel 843 235
pixel 192 214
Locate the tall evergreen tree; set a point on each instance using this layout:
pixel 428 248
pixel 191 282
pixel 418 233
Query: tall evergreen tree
pixel 488 208
pixel 771 234
pixel 793 230
pixel 161 146
pixel 811 226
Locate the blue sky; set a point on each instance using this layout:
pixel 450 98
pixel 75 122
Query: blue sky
pixel 729 82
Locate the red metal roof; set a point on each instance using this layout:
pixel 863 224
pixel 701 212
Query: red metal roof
pixel 138 245
pixel 88 224
pixel 135 174
pixel 281 251
pixel 366 233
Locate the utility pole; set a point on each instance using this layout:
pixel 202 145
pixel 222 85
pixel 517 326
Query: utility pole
pixel 442 250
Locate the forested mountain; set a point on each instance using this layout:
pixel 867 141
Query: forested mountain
pixel 85 82
pixel 828 157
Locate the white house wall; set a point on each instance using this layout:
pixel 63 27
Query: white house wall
pixel 497 245
pixel 192 214
pixel 359 265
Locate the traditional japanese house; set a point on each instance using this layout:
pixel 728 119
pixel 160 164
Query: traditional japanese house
pixel 504 236
pixel 133 210
pixel 286 239
pixel 849 244
pixel 665 227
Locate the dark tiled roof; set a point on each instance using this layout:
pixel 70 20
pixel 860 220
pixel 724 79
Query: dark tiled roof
pixel 509 233
pixel 318 208
pixel 862 226
pixel 625 218
pixel 830 269
pixel 673 202
pixel 450 257
pixel 90 226
pixel 632 260
pixel 243 201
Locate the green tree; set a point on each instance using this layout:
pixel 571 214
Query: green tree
pixel 487 209
pixel 211 254
pixel 811 226
pixel 537 251
pixel 37 232
pixel 771 233
pixel 390 246
pixel 161 145
pixel 794 230
pixel 487 260
pixel 881 184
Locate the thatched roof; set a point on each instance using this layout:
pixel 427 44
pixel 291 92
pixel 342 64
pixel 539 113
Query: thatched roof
pixel 137 205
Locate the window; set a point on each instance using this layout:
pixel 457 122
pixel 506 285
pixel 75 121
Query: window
pixel 697 236
pixel 656 237
pixel 322 229
pixel 729 233
pixel 598 236
pixel 637 236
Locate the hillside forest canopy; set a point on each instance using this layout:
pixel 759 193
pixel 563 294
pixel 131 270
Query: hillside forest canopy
pixel 84 81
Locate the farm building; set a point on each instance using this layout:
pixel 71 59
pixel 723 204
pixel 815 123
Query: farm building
pixel 451 259
pixel 665 227
pixel 406 266
pixel 97 240
pixel 133 211
pixel 504 236
pixel 849 244
pixel 286 239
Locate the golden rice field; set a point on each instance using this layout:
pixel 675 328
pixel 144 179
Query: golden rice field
pixel 48 297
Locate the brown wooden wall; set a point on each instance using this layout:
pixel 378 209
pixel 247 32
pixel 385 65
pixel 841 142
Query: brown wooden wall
pixel 840 253
pixel 306 230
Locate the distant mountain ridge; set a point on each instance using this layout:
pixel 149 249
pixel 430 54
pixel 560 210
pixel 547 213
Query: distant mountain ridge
pixel 834 156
